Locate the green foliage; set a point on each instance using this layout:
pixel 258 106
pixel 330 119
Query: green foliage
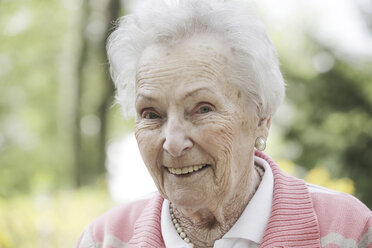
pixel 39 48
pixel 28 92
pixel 333 120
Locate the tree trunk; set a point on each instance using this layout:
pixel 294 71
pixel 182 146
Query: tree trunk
pixel 113 10
pixel 81 61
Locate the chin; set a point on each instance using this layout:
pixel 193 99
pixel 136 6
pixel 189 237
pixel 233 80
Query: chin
pixel 189 200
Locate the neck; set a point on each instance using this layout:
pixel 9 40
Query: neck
pixel 206 225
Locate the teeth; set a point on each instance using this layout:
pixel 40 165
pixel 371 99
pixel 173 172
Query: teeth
pixel 185 170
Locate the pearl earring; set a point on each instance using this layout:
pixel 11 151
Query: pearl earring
pixel 260 143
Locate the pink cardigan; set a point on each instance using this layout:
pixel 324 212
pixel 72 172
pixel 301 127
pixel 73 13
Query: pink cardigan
pixel 298 219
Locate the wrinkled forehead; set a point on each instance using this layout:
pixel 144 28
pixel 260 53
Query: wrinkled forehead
pixel 203 53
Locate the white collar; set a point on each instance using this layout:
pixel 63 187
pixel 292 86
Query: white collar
pixel 250 225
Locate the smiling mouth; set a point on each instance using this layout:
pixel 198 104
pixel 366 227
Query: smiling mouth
pixel 186 170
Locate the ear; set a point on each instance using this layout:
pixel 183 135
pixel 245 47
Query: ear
pixel 263 127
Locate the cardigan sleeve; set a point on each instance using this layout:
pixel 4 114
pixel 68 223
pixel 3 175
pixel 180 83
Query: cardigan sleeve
pixel 366 240
pixel 343 220
pixel 85 240
pixel 114 228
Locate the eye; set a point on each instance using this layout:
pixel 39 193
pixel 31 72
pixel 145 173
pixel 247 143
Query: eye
pixel 204 109
pixel 150 115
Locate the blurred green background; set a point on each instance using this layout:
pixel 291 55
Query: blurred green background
pixel 57 115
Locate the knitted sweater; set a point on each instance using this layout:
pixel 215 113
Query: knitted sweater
pixel 298 219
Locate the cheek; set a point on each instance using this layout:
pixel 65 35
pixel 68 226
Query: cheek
pixel 217 140
pixel 147 144
pixel 219 137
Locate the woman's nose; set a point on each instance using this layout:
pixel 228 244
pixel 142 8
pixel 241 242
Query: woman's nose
pixel 176 138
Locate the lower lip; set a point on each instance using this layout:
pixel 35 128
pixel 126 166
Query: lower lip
pixel 190 173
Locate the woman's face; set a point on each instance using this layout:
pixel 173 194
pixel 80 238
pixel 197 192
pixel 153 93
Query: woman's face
pixel 195 130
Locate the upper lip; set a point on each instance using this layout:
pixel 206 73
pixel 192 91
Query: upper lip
pixel 185 166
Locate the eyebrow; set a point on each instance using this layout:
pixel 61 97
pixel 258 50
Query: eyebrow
pixel 146 98
pixel 196 91
pixel 188 94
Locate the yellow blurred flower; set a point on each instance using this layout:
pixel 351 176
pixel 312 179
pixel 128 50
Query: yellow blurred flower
pixel 287 166
pixel 321 176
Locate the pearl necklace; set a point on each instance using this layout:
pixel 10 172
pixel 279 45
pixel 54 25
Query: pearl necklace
pixel 178 227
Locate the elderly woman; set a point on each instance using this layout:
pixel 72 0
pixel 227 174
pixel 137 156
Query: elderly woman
pixel 203 81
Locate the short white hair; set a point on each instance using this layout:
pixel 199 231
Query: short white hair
pixel 255 62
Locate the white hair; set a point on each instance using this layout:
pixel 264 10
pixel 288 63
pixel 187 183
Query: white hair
pixel 255 62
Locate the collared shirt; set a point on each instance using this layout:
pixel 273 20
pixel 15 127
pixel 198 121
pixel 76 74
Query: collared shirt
pixel 249 228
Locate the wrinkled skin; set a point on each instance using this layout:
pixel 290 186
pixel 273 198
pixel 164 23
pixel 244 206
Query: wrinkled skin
pixel 189 114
